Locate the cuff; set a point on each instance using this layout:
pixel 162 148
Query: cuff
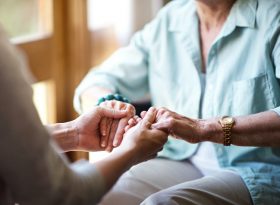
pixel 277 110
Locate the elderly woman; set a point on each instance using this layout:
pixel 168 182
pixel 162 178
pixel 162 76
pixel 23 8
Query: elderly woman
pixel 216 60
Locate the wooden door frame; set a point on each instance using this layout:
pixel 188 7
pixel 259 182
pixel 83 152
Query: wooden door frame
pixel 62 56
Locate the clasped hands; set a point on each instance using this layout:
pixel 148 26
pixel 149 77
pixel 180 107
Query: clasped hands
pixel 120 123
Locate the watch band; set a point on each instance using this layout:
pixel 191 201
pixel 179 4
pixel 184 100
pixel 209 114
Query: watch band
pixel 227 124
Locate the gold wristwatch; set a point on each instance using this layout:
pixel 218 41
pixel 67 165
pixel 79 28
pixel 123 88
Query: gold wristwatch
pixel 227 123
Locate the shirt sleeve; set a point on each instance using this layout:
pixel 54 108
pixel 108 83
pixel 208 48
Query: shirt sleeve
pixel 126 71
pixel 275 41
pixel 31 168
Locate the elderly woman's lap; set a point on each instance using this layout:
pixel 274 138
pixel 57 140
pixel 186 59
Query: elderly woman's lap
pixel 159 181
pixel 224 188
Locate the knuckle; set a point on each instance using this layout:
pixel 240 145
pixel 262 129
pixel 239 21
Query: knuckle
pixel 131 109
pixel 171 122
pixel 162 110
pixel 167 115
pixel 109 103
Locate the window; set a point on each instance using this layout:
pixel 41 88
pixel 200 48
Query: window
pixel 44 100
pixel 61 46
pixel 25 17
pixel 28 22
pixel 53 35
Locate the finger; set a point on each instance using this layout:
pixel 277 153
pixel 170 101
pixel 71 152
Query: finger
pixel 104 131
pixel 143 113
pixel 120 105
pixel 127 128
pixel 120 131
pixel 130 109
pixel 132 121
pixel 113 130
pixel 112 113
pixel 121 123
pixel 109 149
pixel 137 118
pixel 159 125
pixel 110 103
pixel 164 126
pixel 110 123
pixel 107 104
pixel 149 118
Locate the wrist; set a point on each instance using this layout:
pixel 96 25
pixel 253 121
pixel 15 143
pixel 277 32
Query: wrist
pixel 126 157
pixel 211 131
pixel 66 136
pixel 115 96
pixel 90 97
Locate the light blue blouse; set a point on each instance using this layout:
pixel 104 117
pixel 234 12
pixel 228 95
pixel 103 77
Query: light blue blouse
pixel 243 71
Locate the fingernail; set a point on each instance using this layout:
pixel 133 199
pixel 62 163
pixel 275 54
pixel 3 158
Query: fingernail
pixel 115 143
pixel 103 133
pixel 108 149
pixel 103 144
pixel 152 109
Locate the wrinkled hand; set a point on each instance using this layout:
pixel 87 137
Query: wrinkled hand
pixel 178 125
pixel 112 130
pixel 88 127
pixel 144 141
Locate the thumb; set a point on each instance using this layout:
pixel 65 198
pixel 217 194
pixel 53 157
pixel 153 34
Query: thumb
pixel 149 118
pixel 112 113
pixel 163 126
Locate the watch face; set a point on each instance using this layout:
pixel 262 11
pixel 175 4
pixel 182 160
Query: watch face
pixel 228 120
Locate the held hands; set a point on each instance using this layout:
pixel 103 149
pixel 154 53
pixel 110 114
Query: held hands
pixel 143 141
pixel 110 125
pixel 140 138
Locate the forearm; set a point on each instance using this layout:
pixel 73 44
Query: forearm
pixel 115 165
pixel 262 129
pixel 65 135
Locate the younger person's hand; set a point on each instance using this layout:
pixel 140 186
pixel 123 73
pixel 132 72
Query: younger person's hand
pixel 143 141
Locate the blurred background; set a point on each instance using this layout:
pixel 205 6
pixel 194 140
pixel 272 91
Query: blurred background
pixel 63 39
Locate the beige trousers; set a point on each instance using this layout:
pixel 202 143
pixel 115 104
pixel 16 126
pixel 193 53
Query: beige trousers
pixel 167 182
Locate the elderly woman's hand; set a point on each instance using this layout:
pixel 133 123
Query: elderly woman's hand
pixel 178 126
pixel 112 130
